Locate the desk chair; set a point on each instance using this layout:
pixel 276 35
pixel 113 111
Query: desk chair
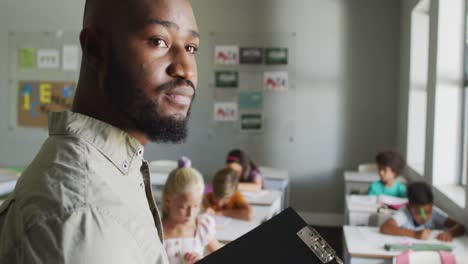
pixel 162 165
pixel 377 219
pixel 368 167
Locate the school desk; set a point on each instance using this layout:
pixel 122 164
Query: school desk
pixel 366 245
pixel 365 210
pixel 229 229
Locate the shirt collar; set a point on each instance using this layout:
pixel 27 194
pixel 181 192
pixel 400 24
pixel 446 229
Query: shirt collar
pixel 115 144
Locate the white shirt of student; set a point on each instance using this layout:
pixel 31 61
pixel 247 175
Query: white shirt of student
pixel 404 219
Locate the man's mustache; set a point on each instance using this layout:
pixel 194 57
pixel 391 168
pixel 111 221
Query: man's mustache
pixel 176 83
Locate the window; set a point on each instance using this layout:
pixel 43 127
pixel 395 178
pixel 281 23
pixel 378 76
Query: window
pixel 416 137
pixel 436 136
pixel 464 174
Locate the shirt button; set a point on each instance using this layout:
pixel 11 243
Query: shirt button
pixel 140 152
pixel 142 185
pixel 125 165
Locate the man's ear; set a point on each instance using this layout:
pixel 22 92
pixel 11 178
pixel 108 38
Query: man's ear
pixel 93 46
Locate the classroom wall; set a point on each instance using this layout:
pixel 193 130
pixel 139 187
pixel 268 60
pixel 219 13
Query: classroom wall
pixel 339 113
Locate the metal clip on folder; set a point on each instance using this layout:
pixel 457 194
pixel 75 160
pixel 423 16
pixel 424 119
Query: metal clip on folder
pixel 318 245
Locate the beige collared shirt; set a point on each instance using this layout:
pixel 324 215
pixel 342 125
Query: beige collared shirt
pixel 85 198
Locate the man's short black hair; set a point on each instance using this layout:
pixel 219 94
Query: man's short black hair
pixel 391 159
pixel 420 193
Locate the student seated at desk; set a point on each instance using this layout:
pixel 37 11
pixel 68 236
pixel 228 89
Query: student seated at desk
pixel 420 216
pixel 225 199
pixel 250 178
pixel 186 232
pixel 390 164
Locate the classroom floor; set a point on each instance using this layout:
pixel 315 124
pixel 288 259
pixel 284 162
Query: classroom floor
pixel 334 237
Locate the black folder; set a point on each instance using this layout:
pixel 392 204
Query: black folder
pixel 285 238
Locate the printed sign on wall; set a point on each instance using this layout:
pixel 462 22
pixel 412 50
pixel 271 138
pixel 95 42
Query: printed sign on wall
pixel 48 59
pixel 225 111
pixel 251 55
pixel 226 79
pixel 250 100
pixel 27 58
pixel 227 55
pixel 275 81
pixel 37 99
pixel 275 56
pixel 70 57
pixel 251 122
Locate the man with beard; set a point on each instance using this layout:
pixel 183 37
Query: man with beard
pixel 86 197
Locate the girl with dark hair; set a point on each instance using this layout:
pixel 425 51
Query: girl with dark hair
pixel 250 178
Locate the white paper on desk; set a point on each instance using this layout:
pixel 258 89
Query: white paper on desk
pixel 373 236
pixel 363 199
pixel 254 194
pixel 222 222
pixel 391 200
pixel 263 197
pixel 70 57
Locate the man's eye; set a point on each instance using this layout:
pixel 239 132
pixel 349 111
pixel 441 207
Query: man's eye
pixel 191 49
pixel 157 42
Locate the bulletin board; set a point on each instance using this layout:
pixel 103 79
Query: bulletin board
pixel 43 71
pixel 251 73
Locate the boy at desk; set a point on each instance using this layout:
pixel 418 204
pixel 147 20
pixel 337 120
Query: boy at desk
pixel 420 216
pixel 226 199
pixel 390 164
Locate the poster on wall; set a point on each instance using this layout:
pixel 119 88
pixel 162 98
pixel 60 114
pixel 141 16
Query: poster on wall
pixel 70 57
pixel 27 58
pixel 227 55
pixel 250 100
pixel 251 122
pixel 276 56
pixel 251 55
pixel 48 59
pixel 225 111
pixel 37 99
pixel 276 81
pixel 226 79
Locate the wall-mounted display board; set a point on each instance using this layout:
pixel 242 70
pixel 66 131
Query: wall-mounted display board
pixel 43 71
pixel 260 70
pixel 37 99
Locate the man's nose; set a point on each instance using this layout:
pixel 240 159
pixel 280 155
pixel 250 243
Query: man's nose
pixel 183 64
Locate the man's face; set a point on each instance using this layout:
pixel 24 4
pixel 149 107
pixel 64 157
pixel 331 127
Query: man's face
pixel 151 72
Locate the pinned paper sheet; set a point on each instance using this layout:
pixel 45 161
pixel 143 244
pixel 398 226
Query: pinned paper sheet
pixel 70 57
pixel 251 55
pixel 276 81
pixel 27 58
pixel 226 55
pixel 48 59
pixel 226 79
pixel 276 56
pixel 225 111
pixel 251 122
pixel 250 100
